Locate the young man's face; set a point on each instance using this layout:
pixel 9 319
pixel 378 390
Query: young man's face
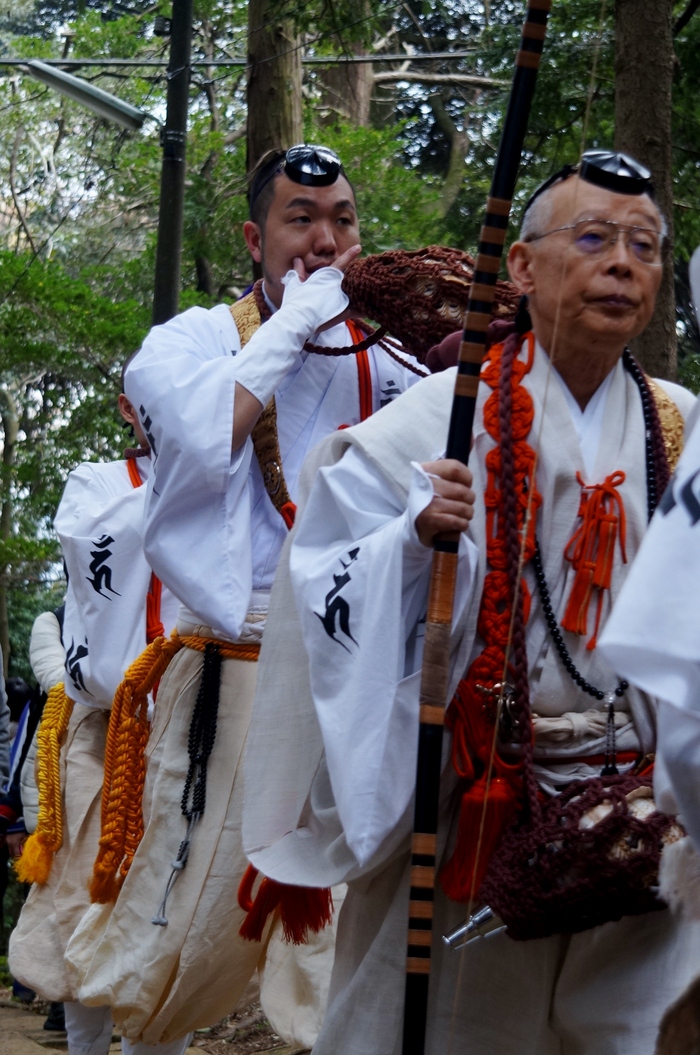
pixel 313 224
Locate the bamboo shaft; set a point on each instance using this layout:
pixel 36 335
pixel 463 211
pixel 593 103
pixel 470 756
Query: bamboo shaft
pixel 435 672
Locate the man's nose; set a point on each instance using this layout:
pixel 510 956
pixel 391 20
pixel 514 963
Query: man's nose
pixel 619 257
pixel 324 243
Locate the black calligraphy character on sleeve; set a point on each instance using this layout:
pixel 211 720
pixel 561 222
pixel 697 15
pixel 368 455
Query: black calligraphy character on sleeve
pixel 337 606
pixel 686 494
pixel 147 421
pixel 101 571
pixel 73 657
pixel 389 393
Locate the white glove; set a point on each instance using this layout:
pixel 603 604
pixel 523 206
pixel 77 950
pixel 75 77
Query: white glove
pixel 272 350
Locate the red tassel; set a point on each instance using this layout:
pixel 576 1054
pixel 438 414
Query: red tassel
pixel 289 512
pixel 302 909
pixel 576 615
pixel 463 874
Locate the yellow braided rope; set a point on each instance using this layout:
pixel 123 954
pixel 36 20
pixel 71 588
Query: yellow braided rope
pixel 122 791
pixel 125 768
pixel 34 865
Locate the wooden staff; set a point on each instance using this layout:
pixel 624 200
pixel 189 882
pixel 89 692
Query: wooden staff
pixel 435 672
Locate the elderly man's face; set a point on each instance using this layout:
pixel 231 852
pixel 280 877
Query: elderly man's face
pixel 606 297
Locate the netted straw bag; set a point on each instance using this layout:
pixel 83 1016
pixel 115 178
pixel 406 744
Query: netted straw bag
pixel 417 298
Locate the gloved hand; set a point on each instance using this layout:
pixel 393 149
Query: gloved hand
pixel 272 350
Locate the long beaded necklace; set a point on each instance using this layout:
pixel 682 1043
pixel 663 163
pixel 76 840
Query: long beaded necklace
pixel 610 766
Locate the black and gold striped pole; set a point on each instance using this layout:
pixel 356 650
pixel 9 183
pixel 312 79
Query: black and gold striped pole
pixel 435 672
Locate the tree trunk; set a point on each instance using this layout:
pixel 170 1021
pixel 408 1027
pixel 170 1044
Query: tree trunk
pixel 10 428
pixel 274 81
pixel 347 89
pixel 643 81
pixel 459 147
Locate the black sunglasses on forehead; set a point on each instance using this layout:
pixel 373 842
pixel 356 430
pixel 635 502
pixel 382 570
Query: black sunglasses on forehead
pixel 306 164
pixel 604 168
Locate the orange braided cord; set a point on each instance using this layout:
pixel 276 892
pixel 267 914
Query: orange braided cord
pixel 34 866
pixel 125 769
pixel 467 716
pixel 493 785
pixel 125 762
pixel 228 649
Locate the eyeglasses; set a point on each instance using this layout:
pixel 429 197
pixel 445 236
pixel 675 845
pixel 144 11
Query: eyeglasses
pixel 597 237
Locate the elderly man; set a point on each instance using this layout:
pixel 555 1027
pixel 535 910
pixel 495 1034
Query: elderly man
pixel 581 436
pixel 232 401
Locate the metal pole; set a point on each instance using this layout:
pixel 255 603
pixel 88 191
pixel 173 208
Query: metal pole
pixel 166 294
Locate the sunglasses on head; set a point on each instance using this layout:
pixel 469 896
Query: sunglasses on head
pixel 309 165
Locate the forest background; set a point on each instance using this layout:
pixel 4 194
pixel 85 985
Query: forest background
pixel 79 197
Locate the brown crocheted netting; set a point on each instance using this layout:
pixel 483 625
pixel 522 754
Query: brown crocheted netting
pixel 420 296
pixel 593 857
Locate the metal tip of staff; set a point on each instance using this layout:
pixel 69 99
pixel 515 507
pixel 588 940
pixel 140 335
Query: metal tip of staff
pixel 482 924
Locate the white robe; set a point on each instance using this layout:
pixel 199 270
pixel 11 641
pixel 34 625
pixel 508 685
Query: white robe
pixel 212 533
pixel 323 821
pixel 214 536
pixel 99 522
pixel 653 635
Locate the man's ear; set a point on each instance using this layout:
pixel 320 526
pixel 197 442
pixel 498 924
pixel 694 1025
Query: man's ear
pixel 253 239
pixel 520 266
pixel 127 411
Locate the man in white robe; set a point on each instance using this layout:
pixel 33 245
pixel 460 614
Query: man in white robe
pixel 343 743
pixel 99 522
pixel 653 639
pixel 214 531
pixel 652 636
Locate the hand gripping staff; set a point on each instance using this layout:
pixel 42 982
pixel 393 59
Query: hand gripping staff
pixel 435 672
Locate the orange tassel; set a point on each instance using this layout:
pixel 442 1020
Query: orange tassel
pixel 301 909
pixel 482 820
pixel 576 615
pixel 591 551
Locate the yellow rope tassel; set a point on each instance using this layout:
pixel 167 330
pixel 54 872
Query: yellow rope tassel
pixel 125 766
pixel 34 866
pixel 125 769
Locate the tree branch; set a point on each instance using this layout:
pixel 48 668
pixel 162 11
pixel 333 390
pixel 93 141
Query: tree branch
pixel 13 189
pixel 683 20
pixel 385 76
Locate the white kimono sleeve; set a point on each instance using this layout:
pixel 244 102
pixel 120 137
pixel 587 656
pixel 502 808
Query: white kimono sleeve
pixel 198 519
pixel 47 655
pixel 652 637
pixel 104 627
pixel 360 578
pixel 197 530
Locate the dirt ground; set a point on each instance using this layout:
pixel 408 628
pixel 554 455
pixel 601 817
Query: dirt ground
pixel 243 1033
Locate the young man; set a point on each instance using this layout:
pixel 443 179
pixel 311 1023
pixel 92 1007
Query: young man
pixel 342 741
pixel 168 957
pixel 114 606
